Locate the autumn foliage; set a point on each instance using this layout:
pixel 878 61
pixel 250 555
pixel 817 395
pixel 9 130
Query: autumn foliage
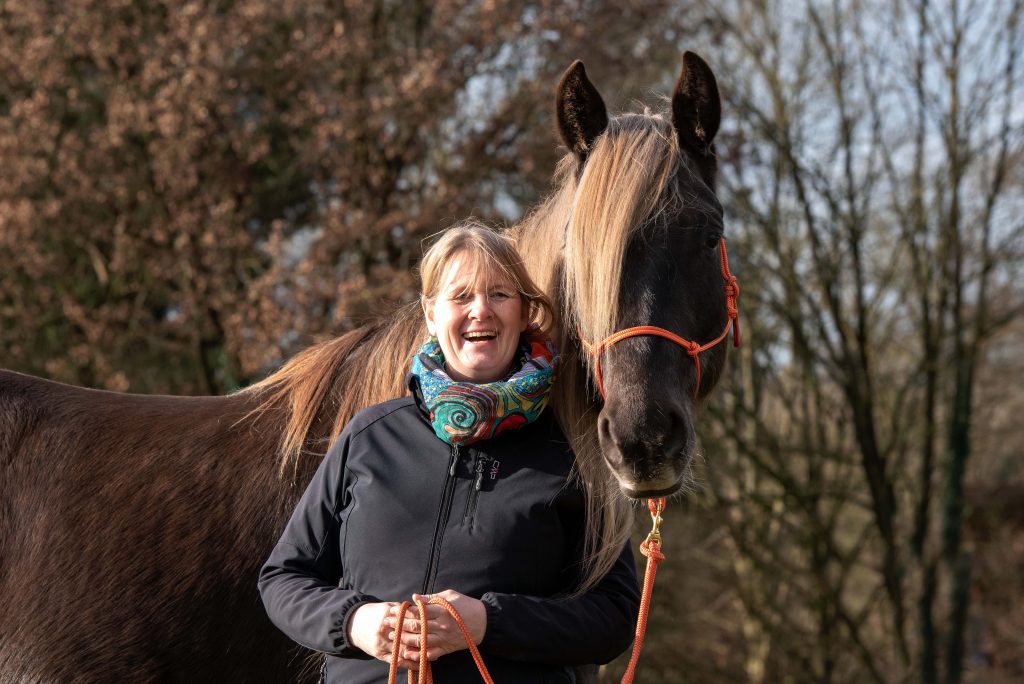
pixel 192 191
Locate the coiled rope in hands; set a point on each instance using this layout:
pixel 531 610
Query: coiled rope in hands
pixel 425 676
pixel 651 548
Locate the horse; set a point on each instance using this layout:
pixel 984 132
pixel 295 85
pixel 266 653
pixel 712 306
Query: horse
pixel 132 527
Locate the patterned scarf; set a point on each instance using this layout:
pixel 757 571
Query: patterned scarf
pixel 464 412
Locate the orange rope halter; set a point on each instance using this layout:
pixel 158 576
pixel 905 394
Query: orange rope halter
pixel 732 293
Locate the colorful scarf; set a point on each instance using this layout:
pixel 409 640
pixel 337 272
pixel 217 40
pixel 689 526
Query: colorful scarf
pixel 464 412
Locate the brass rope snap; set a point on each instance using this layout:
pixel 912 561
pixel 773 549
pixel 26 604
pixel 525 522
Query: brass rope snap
pixel 655 506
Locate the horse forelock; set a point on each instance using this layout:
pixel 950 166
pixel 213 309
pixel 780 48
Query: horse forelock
pixel 625 185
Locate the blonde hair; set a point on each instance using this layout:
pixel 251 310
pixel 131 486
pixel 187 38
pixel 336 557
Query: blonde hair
pixel 488 256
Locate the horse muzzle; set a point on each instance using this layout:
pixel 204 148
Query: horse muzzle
pixel 649 453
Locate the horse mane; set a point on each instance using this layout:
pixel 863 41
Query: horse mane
pixel 576 240
pixel 324 386
pixel 574 244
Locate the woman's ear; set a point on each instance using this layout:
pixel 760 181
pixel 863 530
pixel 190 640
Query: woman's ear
pixel 527 310
pixel 428 314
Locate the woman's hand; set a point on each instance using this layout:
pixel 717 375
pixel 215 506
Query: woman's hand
pixel 369 632
pixel 443 633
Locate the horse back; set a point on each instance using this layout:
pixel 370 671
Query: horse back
pixel 144 517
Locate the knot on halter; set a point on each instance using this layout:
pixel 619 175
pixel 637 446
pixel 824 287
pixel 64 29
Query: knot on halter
pixel 732 293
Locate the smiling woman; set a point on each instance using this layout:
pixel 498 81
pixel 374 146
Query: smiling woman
pixel 475 434
pixel 475 306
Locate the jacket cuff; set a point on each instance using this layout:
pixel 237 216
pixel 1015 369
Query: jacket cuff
pixel 344 648
pixel 495 630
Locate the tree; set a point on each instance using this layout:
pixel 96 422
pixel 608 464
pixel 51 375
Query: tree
pixel 195 190
pixel 875 167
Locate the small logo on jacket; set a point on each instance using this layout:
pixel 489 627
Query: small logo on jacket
pixel 494 469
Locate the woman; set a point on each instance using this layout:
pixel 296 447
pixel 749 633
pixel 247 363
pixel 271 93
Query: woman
pixel 462 489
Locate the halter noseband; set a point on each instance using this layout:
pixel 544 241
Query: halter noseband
pixel 732 292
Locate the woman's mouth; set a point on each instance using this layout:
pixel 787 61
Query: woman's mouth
pixel 479 335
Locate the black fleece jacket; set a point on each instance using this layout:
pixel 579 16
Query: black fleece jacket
pixel 394 510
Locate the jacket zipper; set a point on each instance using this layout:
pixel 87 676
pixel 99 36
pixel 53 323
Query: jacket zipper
pixel 443 511
pixel 478 483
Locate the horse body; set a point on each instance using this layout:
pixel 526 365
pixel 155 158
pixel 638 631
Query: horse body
pixel 132 528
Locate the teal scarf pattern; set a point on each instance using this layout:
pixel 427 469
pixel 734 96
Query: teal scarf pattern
pixel 465 412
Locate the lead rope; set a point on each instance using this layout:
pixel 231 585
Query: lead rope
pixel 425 677
pixel 651 548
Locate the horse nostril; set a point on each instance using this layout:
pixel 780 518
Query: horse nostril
pixel 679 435
pixel 604 430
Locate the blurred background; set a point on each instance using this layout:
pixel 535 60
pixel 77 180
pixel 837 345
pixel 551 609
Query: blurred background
pixel 191 192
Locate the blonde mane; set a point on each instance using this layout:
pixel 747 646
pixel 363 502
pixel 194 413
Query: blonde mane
pixel 574 245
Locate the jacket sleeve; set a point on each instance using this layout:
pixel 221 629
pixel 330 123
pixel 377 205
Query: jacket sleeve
pixel 299 582
pixel 593 627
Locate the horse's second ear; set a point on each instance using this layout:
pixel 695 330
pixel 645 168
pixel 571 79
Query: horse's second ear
pixel 581 112
pixel 696 107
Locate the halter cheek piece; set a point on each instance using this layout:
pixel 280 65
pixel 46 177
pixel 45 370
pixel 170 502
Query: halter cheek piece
pixel 732 293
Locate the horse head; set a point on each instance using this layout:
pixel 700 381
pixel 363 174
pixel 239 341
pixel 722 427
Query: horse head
pixel 645 255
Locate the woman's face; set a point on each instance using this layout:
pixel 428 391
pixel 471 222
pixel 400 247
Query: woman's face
pixel 477 323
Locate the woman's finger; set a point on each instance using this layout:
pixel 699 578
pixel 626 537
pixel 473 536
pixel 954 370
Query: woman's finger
pixel 434 610
pixel 409 660
pixel 408 624
pixel 411 612
pixel 441 622
pixel 410 640
pixel 435 652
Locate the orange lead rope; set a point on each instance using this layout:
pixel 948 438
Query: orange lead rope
pixel 651 547
pixel 425 676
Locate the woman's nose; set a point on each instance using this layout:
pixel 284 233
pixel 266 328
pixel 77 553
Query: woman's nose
pixel 481 307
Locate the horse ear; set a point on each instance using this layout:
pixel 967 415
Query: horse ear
pixel 696 107
pixel 581 112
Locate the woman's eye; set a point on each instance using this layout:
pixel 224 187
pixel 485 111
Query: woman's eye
pixel 461 297
pixel 500 295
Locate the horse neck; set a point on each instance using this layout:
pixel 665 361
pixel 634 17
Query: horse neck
pixel 540 239
pixel 320 390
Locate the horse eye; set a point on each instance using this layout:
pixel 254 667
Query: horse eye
pixel 712 241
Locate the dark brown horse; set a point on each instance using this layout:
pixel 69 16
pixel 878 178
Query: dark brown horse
pixel 132 527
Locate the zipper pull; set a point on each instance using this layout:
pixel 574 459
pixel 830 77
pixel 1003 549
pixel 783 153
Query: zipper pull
pixel 480 465
pixel 454 461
